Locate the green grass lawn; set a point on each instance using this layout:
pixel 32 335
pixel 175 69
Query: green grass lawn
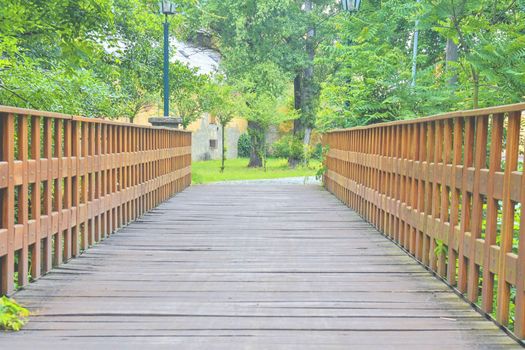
pixel 236 169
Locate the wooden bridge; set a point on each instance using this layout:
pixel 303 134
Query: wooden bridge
pixel 258 265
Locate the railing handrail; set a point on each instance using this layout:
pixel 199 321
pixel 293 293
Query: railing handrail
pixel 480 112
pixel 67 182
pixel 449 189
pixel 37 113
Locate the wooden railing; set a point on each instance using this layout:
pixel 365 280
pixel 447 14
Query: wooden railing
pixel 450 190
pixel 68 182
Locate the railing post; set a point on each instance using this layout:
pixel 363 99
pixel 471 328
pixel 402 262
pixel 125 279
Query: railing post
pixel 428 186
pixel 8 202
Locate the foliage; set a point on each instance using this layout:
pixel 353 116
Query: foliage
pixel 12 316
pixel 244 146
pixel 317 152
pixel 186 91
pixel 89 57
pixel 270 35
pixel 224 103
pixel 289 146
pixel 489 35
pixel 369 66
pixel 209 171
pixel 266 103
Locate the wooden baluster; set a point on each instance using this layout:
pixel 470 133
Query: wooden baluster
pixel 36 208
pixel 66 205
pixel 58 201
pixel 466 208
pixel 8 202
pixel 453 241
pixel 75 188
pixel 445 194
pixel 507 231
pixel 480 162
pixel 519 311
pixel 436 159
pixel 84 188
pixel 48 195
pixel 415 146
pixel 23 201
pixel 496 147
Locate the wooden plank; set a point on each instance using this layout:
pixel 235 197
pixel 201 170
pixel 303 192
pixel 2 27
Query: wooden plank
pixel 480 162
pixel 8 203
pixel 519 312
pixel 36 208
pixel 466 206
pixel 451 115
pixel 451 188
pixel 496 143
pixel 23 201
pixel 48 195
pixel 507 230
pixel 272 264
pixel 58 253
pixel 58 194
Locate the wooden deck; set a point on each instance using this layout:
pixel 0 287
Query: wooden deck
pixel 249 266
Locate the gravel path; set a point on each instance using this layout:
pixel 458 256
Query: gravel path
pixel 302 180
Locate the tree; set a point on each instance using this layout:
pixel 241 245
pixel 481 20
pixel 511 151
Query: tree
pixel 225 104
pixel 368 66
pixel 90 57
pixel 265 95
pixel 187 92
pixel 263 111
pixel 490 41
pixel 254 33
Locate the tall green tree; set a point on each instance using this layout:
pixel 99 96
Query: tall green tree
pixel 187 92
pixel 223 102
pixel 470 54
pixel 490 40
pixel 264 89
pixel 89 57
pixel 284 33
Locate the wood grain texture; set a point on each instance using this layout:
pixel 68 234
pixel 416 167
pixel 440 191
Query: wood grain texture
pixel 463 214
pixel 62 185
pixel 248 266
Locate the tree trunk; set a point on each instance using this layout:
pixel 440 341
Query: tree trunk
pixel 304 91
pixel 297 123
pixel 257 136
pixel 451 56
pixel 223 151
pixel 475 88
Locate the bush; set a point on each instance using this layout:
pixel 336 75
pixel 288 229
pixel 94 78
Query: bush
pixel 244 146
pixel 12 316
pixel 289 146
pixel 317 152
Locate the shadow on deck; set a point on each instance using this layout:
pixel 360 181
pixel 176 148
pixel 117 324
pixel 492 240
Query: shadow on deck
pixel 258 266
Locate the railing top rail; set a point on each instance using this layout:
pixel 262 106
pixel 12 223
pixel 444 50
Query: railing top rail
pixel 37 113
pixel 517 107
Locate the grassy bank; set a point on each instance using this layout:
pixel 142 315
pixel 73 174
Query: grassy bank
pixel 236 169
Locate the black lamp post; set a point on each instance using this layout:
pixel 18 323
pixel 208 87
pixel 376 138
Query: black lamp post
pixel 351 5
pixel 167 8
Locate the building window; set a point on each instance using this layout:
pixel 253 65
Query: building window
pixel 213 144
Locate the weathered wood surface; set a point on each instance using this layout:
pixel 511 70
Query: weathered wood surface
pixel 249 266
pixel 68 182
pixel 453 182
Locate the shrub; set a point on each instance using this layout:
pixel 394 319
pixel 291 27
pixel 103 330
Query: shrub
pixel 317 152
pixel 288 146
pixel 244 146
pixel 12 316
